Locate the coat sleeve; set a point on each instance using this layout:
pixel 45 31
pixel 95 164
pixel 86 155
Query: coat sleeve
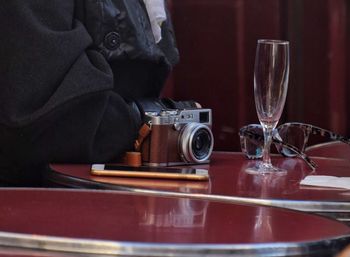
pixel 121 31
pixel 57 101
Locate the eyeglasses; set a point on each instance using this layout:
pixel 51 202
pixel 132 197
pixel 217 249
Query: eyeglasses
pixel 290 140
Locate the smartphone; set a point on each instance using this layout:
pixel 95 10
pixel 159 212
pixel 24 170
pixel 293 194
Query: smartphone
pixel 177 185
pixel 149 172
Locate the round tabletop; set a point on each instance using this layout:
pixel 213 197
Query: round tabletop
pixel 230 182
pixel 113 222
pixel 228 176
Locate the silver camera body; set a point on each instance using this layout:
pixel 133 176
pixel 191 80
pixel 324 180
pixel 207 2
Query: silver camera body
pixel 178 137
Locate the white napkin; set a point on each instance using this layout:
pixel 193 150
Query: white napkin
pixel 157 15
pixel 326 181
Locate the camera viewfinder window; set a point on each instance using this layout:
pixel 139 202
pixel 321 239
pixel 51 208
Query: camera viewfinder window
pixel 204 117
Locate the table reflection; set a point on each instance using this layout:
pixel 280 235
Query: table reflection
pixel 185 213
pixel 263 226
pixel 270 185
pixel 157 212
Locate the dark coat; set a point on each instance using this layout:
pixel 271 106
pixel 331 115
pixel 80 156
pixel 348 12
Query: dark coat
pixel 68 70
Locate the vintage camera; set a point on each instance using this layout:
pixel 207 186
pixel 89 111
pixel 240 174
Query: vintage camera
pixel 178 137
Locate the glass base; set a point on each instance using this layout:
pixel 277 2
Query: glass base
pixel 265 168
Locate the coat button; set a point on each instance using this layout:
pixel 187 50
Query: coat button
pixel 112 40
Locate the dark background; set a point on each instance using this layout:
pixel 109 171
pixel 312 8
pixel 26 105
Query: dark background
pixel 217 41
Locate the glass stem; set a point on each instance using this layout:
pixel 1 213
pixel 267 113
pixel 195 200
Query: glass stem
pixel 267 146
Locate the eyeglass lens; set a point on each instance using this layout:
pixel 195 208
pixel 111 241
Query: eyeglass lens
pixel 253 147
pixel 294 136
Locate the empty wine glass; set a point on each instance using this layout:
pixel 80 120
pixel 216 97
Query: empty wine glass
pixel 271 74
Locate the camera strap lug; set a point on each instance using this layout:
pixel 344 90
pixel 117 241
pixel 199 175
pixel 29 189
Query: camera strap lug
pixel 143 133
pixel 134 158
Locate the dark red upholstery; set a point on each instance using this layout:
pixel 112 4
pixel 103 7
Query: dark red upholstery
pixel 217 40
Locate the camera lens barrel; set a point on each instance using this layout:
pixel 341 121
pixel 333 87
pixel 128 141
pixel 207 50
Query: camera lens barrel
pixel 196 142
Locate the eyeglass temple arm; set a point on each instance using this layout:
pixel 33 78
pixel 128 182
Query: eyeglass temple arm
pixel 302 155
pixel 320 131
pixel 345 140
pixel 331 135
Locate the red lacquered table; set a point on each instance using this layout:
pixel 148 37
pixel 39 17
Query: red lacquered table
pixel 50 222
pixel 335 149
pixel 230 182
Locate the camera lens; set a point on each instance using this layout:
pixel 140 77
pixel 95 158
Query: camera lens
pixel 201 143
pixel 196 142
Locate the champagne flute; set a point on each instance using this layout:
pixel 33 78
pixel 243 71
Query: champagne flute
pixel 271 74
